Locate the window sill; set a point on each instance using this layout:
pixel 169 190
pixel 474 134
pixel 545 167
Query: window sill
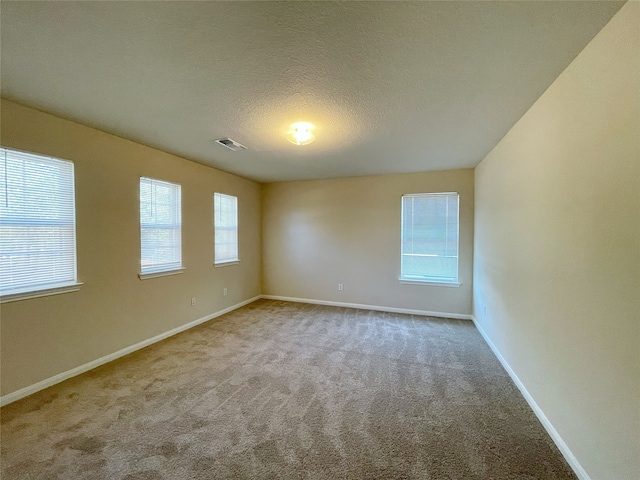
pixel 45 292
pixel 429 283
pixel 226 264
pixel 162 273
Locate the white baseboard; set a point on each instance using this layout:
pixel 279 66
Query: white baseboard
pixel 546 423
pixel 23 392
pixel 427 313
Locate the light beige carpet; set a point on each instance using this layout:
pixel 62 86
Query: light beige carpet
pixel 292 391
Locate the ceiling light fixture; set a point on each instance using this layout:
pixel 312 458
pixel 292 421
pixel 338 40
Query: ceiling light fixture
pixel 300 133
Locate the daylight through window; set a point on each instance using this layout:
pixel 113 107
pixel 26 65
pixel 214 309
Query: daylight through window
pixel 225 221
pixel 430 237
pixel 160 226
pixel 37 223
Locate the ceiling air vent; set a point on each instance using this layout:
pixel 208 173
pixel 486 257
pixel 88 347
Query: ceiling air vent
pixel 231 144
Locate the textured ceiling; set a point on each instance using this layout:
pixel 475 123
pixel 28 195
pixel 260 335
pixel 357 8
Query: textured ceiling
pixel 390 86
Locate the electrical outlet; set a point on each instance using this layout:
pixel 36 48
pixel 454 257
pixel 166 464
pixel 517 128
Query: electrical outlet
pixel 193 301
pixel 224 292
pixel 484 310
pixel 340 287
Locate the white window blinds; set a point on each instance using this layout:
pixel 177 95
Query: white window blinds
pixel 430 237
pixel 37 223
pixel 160 226
pixel 225 222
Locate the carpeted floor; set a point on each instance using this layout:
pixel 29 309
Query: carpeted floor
pixel 292 391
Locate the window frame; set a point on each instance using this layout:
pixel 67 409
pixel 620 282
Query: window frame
pixel 41 289
pixel 236 259
pixel 160 270
pixel 431 281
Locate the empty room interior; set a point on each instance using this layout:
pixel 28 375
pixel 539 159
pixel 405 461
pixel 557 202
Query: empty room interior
pixel 368 240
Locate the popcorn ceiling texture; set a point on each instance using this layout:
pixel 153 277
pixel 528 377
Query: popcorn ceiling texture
pixel 391 86
pixel 288 390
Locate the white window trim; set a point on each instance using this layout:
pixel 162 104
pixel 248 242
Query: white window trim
pixel 161 273
pixel 35 291
pixel 432 283
pixel 159 270
pixel 226 263
pixel 427 281
pixel 229 261
pixel 43 292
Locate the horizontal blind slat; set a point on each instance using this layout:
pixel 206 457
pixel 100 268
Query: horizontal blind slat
pixel 429 236
pixel 160 225
pixel 37 221
pixel 225 221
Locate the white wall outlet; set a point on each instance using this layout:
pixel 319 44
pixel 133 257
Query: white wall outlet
pixel 193 301
pixel 224 292
pixel 340 287
pixel 484 310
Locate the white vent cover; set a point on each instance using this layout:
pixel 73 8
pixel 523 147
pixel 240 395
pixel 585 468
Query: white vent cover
pixel 231 144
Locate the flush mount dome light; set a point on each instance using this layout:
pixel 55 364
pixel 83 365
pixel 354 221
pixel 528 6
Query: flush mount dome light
pixel 300 133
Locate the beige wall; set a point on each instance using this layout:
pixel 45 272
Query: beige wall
pixel 317 234
pixel 557 251
pixel 114 309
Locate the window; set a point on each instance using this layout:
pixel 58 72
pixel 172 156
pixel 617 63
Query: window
pixel 430 237
pixel 37 225
pixel 160 228
pixel 225 228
